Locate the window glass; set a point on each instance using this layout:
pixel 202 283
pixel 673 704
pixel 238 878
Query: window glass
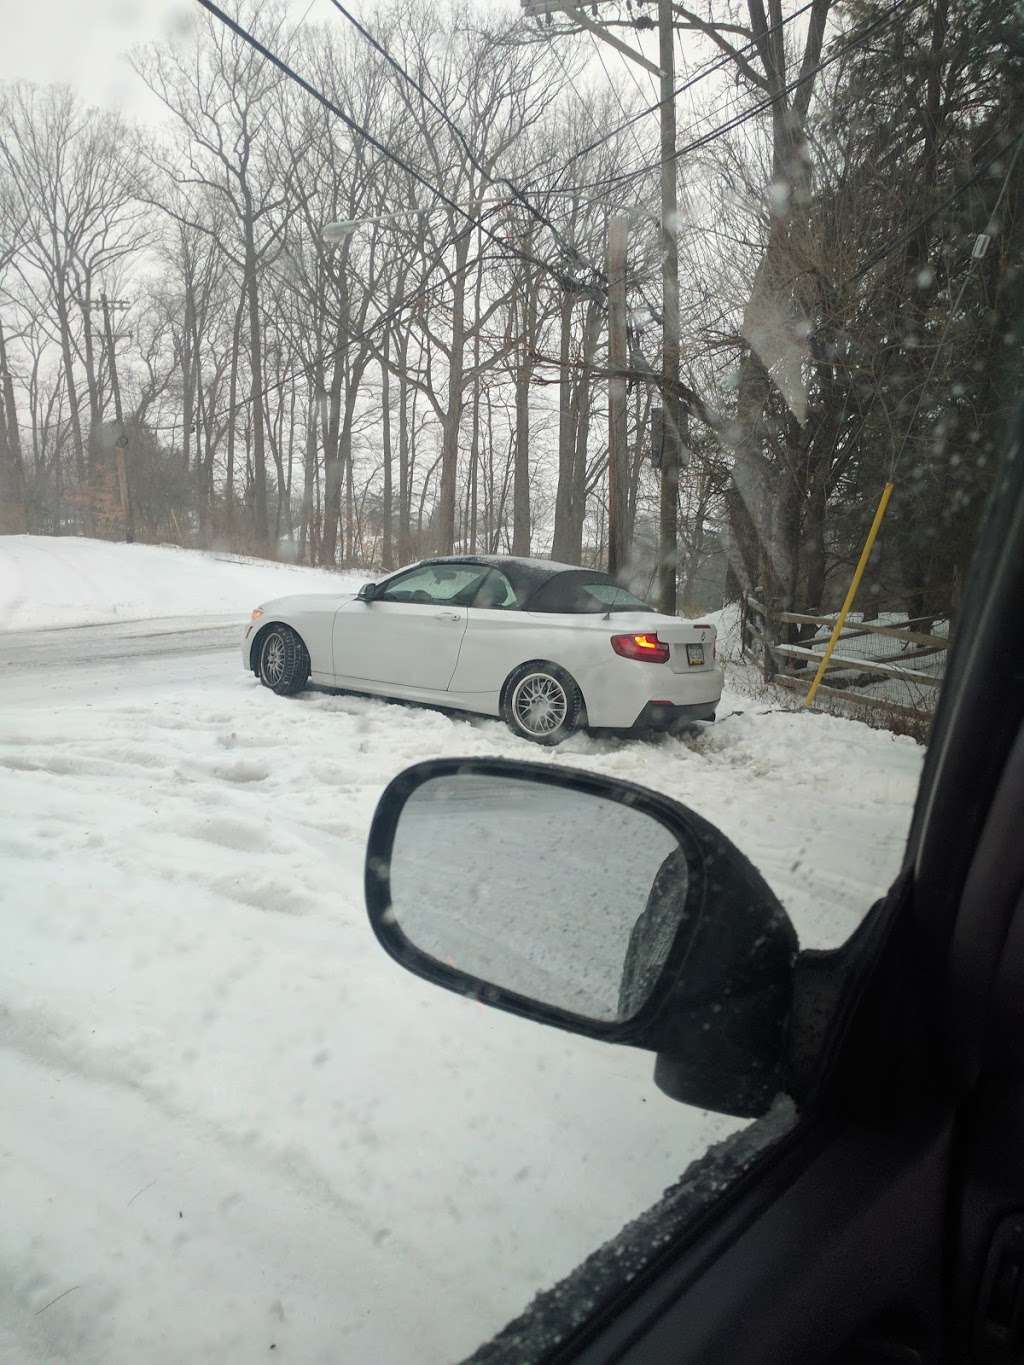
pixel 495 592
pixel 434 584
pixel 217 399
pixel 581 593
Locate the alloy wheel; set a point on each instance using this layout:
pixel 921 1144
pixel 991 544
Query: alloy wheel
pixel 273 660
pixel 539 703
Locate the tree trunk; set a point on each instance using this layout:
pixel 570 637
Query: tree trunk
pixel 229 484
pixel 92 384
pixel 404 489
pixel 474 447
pixel 67 356
pixel 453 415
pixel 332 433
pixel 13 519
pixel 348 548
pixel 332 470
pixel 521 469
pixel 387 545
pixel 307 537
pixel 260 521
pixel 561 545
pixel 187 386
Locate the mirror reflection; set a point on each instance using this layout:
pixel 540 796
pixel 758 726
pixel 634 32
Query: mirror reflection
pixel 562 896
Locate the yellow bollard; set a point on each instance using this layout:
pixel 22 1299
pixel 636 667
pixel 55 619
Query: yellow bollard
pixel 858 574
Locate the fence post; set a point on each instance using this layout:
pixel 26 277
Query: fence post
pixel 858 574
pixel 771 636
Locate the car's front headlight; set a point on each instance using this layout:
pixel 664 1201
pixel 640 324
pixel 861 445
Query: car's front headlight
pixel 256 613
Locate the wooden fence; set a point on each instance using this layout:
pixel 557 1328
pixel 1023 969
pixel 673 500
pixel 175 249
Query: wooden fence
pixel 790 646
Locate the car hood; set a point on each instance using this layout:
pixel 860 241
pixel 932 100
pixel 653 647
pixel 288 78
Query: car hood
pixel 306 602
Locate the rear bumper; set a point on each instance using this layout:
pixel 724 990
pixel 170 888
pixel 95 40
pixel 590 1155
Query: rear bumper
pixel 657 716
pixel 622 691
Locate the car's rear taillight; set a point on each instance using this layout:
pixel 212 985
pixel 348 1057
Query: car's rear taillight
pixel 646 647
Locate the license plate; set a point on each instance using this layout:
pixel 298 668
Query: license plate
pixel 695 656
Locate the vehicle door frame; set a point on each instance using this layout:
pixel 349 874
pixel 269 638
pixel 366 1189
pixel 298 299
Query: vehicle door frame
pixel 453 619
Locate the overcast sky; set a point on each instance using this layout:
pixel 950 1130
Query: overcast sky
pixel 83 42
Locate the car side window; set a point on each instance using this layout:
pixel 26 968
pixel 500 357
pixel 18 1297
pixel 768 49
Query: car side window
pixel 432 584
pixel 495 593
pixel 584 593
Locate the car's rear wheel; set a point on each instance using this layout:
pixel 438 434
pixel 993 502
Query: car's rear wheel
pixel 283 661
pixel 542 703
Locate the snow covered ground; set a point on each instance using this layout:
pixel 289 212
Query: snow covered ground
pixel 48 582
pixel 232 1122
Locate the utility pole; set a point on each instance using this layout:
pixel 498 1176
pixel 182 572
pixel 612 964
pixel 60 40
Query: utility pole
pixel 524 311
pixel 671 459
pixel 107 307
pixel 616 271
pixel 668 520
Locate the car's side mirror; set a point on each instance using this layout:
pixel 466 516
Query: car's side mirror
pixel 593 905
pixel 367 592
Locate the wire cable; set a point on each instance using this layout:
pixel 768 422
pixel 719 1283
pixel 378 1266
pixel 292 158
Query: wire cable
pixel 501 180
pixel 706 139
pixel 355 127
pixel 906 235
pixel 618 98
pixel 716 65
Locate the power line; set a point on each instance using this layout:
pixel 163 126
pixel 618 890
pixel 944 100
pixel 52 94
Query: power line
pixel 716 65
pixel 392 61
pixel 906 235
pixel 615 91
pixel 374 142
pixel 472 220
pixel 727 127
pixel 802 79
pixel 501 180
pixel 636 281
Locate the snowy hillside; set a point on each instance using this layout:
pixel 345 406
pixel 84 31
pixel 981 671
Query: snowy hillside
pixel 49 581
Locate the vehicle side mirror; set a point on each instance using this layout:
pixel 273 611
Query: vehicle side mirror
pixel 595 906
pixel 367 592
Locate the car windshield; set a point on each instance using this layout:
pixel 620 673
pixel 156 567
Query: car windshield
pixel 582 593
pixel 532 314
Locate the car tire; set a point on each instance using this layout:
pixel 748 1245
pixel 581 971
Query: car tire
pixel 282 662
pixel 542 703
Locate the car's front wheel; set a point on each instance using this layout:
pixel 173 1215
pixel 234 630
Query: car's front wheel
pixel 283 662
pixel 542 703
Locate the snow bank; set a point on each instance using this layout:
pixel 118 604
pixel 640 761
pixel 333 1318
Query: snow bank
pixel 727 623
pixel 53 581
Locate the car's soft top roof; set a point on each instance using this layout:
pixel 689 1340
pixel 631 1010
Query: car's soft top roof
pixel 525 575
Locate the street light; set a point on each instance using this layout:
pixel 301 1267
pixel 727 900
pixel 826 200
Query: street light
pixel 337 232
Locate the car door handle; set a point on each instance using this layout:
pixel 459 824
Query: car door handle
pixel 448 616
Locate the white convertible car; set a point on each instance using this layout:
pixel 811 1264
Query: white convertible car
pixel 548 647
